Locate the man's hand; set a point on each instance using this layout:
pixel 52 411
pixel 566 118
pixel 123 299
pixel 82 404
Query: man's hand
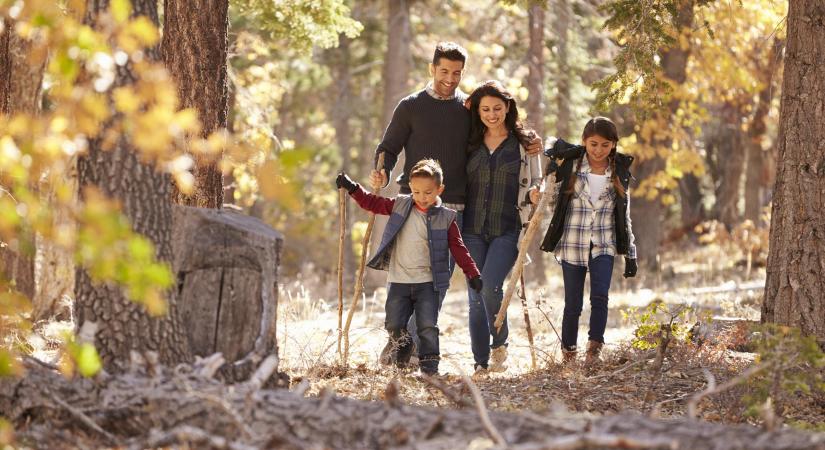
pixel 535 195
pixel 630 268
pixel 378 179
pixel 345 182
pixel 534 147
pixel 475 284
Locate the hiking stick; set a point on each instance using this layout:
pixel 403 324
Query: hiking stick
pixel 527 322
pixel 518 268
pixel 359 278
pixel 342 226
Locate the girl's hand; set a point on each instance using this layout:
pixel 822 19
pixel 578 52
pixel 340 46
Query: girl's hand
pixel 535 196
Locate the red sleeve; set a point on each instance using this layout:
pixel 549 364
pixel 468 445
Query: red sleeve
pixel 460 253
pixel 375 204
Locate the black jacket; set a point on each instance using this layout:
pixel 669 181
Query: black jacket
pixel 569 155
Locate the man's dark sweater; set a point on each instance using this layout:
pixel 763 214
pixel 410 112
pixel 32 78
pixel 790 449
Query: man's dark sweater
pixel 426 127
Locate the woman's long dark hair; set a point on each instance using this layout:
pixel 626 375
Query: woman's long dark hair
pixel 606 129
pixel 494 88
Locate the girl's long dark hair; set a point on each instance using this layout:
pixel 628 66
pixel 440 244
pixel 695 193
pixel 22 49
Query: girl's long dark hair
pixel 494 88
pixel 605 128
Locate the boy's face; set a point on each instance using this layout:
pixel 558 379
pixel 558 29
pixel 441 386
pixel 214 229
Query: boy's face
pixel 446 76
pixel 425 191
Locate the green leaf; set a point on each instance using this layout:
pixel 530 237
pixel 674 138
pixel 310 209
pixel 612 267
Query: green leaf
pixel 87 359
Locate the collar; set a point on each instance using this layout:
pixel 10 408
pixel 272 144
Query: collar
pixel 585 168
pixel 432 93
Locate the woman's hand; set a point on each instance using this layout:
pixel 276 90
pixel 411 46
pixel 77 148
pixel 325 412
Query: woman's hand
pixel 535 195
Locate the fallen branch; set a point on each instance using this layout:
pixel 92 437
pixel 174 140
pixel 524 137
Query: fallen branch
pixel 456 398
pixel 482 412
pixel 186 434
pixel 83 418
pixel 588 440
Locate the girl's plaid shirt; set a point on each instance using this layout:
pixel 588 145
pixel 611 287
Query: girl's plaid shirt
pixel 588 222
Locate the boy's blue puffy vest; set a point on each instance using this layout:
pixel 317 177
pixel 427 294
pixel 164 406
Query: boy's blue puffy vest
pixel 439 220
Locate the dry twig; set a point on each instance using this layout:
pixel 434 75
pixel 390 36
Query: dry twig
pixel 713 389
pixel 482 412
pixel 342 226
pixel 83 418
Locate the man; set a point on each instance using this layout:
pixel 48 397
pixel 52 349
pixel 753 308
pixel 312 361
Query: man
pixel 433 123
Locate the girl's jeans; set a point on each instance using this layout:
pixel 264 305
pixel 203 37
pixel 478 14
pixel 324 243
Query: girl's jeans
pixel 601 271
pixel 402 300
pixel 494 258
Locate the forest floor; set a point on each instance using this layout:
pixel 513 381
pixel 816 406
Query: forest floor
pixel 710 280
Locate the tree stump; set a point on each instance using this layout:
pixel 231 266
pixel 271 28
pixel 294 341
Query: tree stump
pixel 226 265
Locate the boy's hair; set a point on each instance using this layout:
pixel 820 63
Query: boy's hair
pixel 451 51
pixel 428 168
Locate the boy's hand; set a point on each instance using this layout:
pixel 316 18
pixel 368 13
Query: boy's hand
pixel 344 182
pixel 475 284
pixel 378 179
pixel 630 268
pixel 535 195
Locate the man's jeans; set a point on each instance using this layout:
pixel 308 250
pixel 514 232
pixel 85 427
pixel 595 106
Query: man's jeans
pixel 495 258
pixel 402 300
pixel 601 271
pixel 411 327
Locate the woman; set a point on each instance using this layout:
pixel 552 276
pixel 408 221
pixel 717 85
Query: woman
pixel 503 182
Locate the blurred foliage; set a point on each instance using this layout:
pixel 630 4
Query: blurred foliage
pixel 794 368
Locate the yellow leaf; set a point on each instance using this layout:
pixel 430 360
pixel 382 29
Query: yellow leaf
pixel 88 361
pixel 126 101
pixel 120 10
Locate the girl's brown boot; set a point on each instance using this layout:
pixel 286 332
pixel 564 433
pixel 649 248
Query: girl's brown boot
pixel 591 357
pixel 568 356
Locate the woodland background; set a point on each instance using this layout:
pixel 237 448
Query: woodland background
pixel 112 111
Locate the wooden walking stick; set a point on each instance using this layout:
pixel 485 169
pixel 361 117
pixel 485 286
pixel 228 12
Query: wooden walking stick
pixel 342 227
pixel 527 322
pixel 518 268
pixel 359 278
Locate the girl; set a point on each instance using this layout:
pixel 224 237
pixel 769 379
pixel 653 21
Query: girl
pixel 503 181
pixel 590 226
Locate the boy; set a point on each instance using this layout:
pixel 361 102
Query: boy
pixel 415 248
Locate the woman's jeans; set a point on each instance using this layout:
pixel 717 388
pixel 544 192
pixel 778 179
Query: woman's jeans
pixel 601 271
pixel 402 300
pixel 494 258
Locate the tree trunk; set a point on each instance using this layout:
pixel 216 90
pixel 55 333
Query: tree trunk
pixel 648 214
pixel 535 115
pixel 194 51
pixel 144 195
pixel 563 100
pixel 756 183
pixel 727 142
pixel 21 73
pixel 796 259
pixel 690 194
pixel 341 113
pixel 396 72
pixel 172 408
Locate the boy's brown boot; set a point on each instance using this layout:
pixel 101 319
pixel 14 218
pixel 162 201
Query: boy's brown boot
pixel 591 357
pixel 568 356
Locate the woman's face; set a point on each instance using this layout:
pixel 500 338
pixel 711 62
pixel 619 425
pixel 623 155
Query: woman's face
pixel 598 148
pixel 492 111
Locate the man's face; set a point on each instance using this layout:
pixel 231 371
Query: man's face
pixel 425 191
pixel 446 76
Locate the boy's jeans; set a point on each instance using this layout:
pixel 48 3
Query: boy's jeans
pixel 601 271
pixel 402 300
pixel 411 328
pixel 495 258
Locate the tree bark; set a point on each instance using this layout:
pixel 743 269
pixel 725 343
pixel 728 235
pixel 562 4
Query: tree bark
pixel 194 50
pixel 21 74
pixel 535 115
pixel 757 183
pixel 144 195
pixel 690 194
pixel 796 259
